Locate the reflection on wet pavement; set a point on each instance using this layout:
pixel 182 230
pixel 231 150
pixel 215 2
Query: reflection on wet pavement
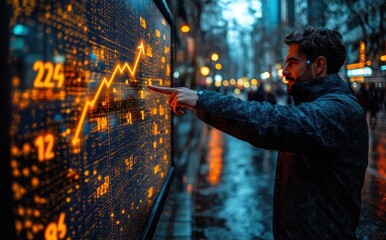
pixel 239 206
pixel 372 224
pixel 234 192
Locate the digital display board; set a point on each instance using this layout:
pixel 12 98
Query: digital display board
pixel 90 145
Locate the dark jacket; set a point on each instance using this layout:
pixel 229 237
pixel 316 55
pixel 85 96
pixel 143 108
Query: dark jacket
pixel 323 150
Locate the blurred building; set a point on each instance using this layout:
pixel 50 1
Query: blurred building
pixel 363 26
pixel 269 44
pixel 186 34
pixel 305 12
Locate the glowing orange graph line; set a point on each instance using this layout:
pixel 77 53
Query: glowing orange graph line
pixel 90 104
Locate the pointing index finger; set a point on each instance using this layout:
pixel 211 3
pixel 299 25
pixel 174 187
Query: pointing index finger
pixel 164 90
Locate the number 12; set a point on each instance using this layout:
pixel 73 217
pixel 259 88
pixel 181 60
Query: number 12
pixel 45 145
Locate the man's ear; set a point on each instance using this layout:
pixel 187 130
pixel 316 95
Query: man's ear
pixel 321 66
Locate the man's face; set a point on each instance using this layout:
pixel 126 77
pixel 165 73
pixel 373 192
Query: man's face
pixel 297 69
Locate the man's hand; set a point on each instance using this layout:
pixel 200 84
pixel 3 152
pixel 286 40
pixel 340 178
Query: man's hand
pixel 179 98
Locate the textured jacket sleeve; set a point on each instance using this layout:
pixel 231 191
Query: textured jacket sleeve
pixel 318 127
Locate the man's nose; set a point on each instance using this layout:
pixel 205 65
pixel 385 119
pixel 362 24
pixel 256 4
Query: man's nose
pixel 285 71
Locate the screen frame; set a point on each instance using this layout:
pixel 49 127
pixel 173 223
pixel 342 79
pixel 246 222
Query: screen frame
pixel 153 218
pixel 7 226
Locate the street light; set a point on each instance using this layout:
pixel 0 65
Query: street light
pixel 204 70
pixel 185 28
pixel 218 66
pixel 265 75
pixel 214 57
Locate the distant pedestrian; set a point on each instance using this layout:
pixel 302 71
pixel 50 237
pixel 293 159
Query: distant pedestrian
pixel 259 95
pixel 383 100
pixel 322 139
pixel 270 97
pixel 373 103
pixel 362 96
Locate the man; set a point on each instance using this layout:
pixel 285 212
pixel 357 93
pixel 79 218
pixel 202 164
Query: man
pixel 322 139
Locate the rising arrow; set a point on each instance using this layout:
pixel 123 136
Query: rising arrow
pixel 90 104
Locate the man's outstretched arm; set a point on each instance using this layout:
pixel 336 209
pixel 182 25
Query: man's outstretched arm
pixel 179 98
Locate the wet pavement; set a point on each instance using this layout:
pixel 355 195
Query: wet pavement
pixel 372 223
pixel 227 191
pixel 234 191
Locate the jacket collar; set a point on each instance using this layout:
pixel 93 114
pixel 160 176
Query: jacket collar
pixel 310 90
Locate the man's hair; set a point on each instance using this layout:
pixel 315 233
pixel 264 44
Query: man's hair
pixel 318 41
